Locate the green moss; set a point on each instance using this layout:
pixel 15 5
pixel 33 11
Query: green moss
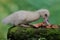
pixel 22 33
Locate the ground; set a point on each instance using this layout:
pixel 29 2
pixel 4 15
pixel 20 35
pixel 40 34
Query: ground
pixel 34 33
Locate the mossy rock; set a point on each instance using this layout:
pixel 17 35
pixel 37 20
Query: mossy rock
pixel 53 34
pixel 22 33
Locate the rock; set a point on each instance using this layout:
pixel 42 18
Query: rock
pixel 22 33
pixel 33 33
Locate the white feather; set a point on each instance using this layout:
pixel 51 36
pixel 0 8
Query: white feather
pixel 22 17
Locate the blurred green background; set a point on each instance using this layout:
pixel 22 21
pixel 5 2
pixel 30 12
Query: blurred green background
pixel 9 6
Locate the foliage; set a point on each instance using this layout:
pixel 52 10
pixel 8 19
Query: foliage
pixel 2 37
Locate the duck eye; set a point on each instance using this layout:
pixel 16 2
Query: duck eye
pixel 45 15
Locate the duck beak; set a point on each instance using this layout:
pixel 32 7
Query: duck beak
pixel 46 21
